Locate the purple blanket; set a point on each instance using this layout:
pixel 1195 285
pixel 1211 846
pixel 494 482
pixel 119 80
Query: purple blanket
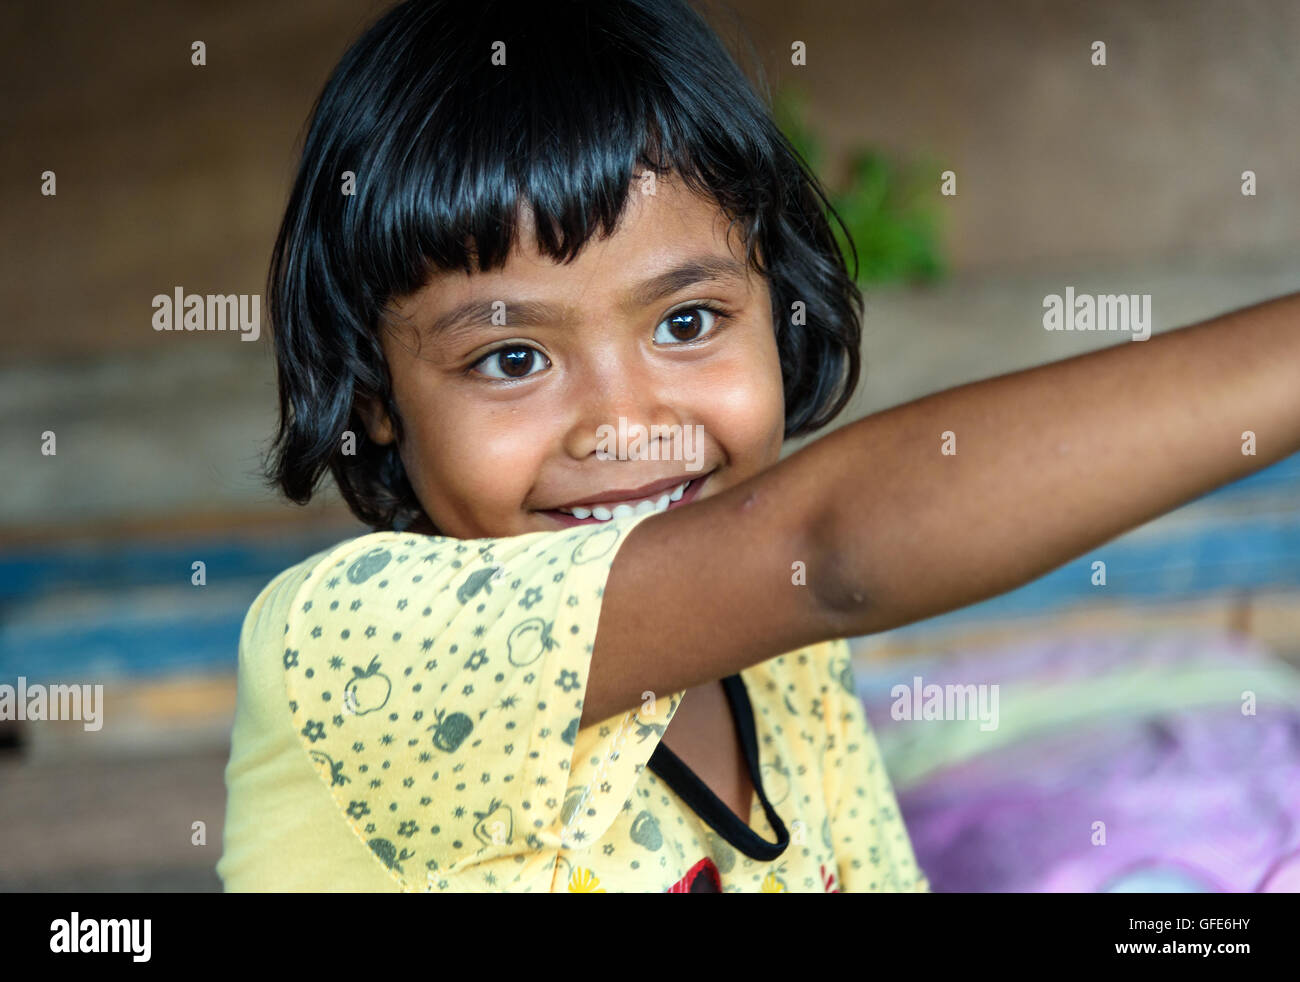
pixel 1191 796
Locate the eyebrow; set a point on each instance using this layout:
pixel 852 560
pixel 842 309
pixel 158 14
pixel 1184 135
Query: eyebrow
pixel 696 269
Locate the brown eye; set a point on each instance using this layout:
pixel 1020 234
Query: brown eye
pixel 511 363
pixel 684 326
pixel 687 324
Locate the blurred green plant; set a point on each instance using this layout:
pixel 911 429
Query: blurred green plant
pixel 888 205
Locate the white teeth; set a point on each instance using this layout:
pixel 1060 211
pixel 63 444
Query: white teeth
pixel 644 507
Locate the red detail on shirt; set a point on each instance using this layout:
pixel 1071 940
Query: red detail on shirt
pixel 828 881
pixel 703 877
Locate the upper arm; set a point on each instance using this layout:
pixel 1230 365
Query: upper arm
pixel 698 593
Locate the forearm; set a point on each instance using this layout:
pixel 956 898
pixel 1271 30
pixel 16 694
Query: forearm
pixel 1049 463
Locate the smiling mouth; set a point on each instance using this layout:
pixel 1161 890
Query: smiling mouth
pixel 682 494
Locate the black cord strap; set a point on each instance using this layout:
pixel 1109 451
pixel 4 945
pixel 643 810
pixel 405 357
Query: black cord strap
pixel 708 806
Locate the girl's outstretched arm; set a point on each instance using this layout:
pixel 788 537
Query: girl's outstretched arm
pixel 1050 462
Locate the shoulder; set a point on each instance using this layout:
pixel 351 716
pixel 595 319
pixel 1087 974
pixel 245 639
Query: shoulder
pixel 270 610
pixel 826 667
pixel 374 558
pixel 365 570
pixel 278 593
pixel 823 670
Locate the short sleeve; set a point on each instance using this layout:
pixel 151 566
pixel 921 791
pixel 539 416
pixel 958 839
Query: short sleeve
pixel 437 685
pixel 872 849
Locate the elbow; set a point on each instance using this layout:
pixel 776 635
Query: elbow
pixel 843 600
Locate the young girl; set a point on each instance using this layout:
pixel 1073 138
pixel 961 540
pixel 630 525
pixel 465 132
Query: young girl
pixel 569 662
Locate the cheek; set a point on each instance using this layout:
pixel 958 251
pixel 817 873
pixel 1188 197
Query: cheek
pixel 481 459
pixel 745 406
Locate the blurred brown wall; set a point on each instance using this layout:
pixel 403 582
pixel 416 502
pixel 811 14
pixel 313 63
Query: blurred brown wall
pixel 169 174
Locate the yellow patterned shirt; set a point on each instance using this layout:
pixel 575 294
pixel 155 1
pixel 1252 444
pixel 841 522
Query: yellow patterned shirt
pixel 408 720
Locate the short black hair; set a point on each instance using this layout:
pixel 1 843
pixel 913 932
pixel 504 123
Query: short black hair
pixel 446 146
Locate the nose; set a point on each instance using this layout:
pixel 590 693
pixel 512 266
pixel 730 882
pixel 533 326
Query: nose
pixel 620 395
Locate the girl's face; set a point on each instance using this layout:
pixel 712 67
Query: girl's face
pixel 513 405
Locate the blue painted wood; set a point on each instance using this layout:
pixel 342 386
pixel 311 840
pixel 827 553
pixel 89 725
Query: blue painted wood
pixel 134 643
pixel 1282 478
pixel 35 572
pixel 198 631
pixel 1245 556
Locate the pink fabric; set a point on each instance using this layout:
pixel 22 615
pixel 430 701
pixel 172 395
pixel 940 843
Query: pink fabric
pixel 1200 799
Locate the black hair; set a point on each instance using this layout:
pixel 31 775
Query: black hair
pixel 446 146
